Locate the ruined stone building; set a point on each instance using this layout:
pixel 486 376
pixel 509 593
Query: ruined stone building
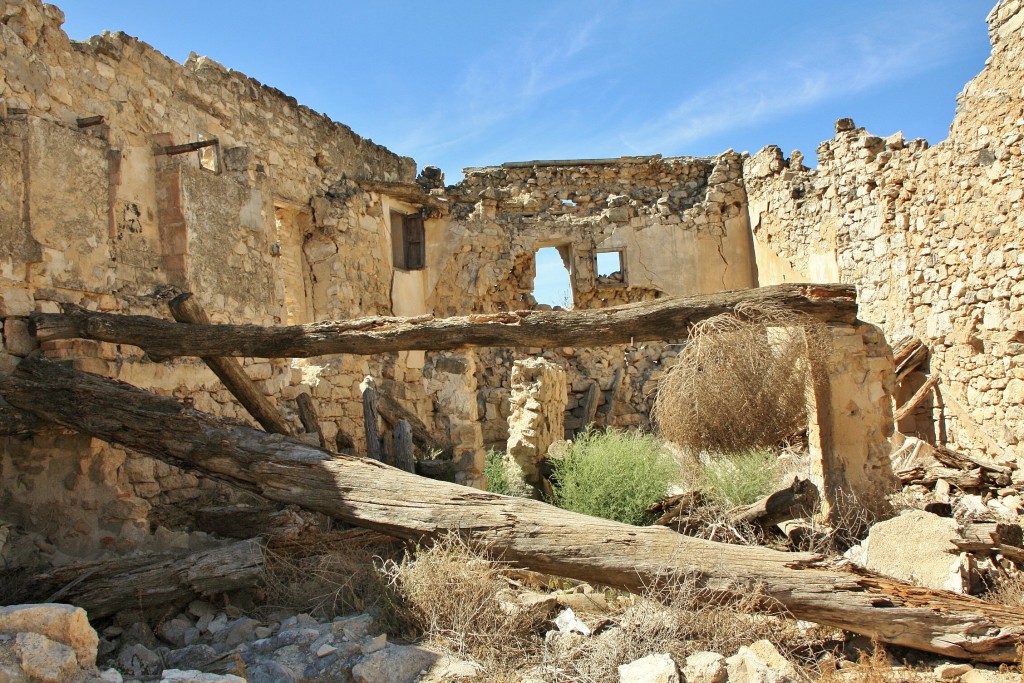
pixel 125 176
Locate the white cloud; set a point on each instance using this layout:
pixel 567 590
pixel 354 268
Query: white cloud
pixel 831 67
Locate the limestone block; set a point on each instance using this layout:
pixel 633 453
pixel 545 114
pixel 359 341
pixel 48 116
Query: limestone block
pixel 15 302
pixel 915 547
pixel 65 624
pixel 656 668
pixel 44 660
pixel 705 667
pixel 17 340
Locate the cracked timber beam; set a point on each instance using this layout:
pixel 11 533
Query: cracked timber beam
pixel 661 319
pixel 526 532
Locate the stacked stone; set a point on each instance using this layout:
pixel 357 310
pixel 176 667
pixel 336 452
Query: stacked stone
pixel 538 412
pixel 930 235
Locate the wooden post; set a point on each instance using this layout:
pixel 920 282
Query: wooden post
pixel 369 388
pixel 403 447
pixel 590 400
pixel 307 414
pixel 186 309
pixel 613 395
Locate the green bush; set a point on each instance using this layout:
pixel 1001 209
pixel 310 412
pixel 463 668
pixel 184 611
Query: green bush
pixel 504 477
pixel 613 474
pixel 740 478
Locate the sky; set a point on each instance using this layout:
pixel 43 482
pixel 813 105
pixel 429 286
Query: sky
pixel 460 84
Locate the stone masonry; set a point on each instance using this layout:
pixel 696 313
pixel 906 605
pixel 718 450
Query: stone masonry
pixel 287 217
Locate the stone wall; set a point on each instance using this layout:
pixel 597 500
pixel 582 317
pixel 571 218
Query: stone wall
pixel 931 235
pixel 288 218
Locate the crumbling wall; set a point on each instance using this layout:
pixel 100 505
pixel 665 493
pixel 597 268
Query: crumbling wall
pixel 931 235
pixel 679 224
pixel 93 212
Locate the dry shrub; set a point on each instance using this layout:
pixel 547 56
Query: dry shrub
pixel 449 593
pixel 680 619
pixel 875 668
pixel 1009 592
pixel 327 574
pixel 740 381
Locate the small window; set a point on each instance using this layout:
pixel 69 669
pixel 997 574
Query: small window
pixel 611 270
pixel 209 157
pixel 408 241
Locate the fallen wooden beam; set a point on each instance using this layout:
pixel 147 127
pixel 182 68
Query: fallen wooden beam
pixel 186 309
pixel 914 401
pixel 105 587
pixel 668 318
pixel 16 422
pixel 908 354
pixel 518 530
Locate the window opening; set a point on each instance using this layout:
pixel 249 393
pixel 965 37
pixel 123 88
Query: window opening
pixel 209 156
pixel 408 241
pixel 551 282
pixel 610 270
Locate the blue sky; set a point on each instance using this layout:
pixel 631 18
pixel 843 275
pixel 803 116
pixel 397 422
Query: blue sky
pixel 459 84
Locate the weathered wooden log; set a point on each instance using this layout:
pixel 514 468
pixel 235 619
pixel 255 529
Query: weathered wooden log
pixel 105 587
pixel 308 417
pixel 527 532
pixel 186 309
pixel 660 319
pixel 16 422
pixel 393 412
pixel 402 445
pixel 371 427
pixel 247 521
pixel 908 353
pixel 799 499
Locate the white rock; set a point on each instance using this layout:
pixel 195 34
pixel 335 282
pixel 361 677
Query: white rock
pixel 656 668
pixel 63 623
pixel 747 666
pixel 111 676
pixel 567 623
pixel 705 667
pixel 325 650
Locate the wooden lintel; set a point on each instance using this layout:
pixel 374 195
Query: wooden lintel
pixel 186 147
pixel 88 121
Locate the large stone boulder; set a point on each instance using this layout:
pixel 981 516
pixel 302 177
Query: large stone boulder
pixel 916 547
pixel 65 624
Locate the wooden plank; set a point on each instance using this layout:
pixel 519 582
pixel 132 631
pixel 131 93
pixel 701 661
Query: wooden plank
pixel 186 147
pixel 186 309
pixel 914 401
pixel 517 530
pixel 393 412
pixel 660 319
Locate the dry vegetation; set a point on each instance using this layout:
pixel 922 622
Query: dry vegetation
pixel 739 384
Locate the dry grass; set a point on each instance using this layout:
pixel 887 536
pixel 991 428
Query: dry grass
pixel 875 668
pixel 680 619
pixel 449 593
pixel 327 574
pixel 1009 592
pixel 740 382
